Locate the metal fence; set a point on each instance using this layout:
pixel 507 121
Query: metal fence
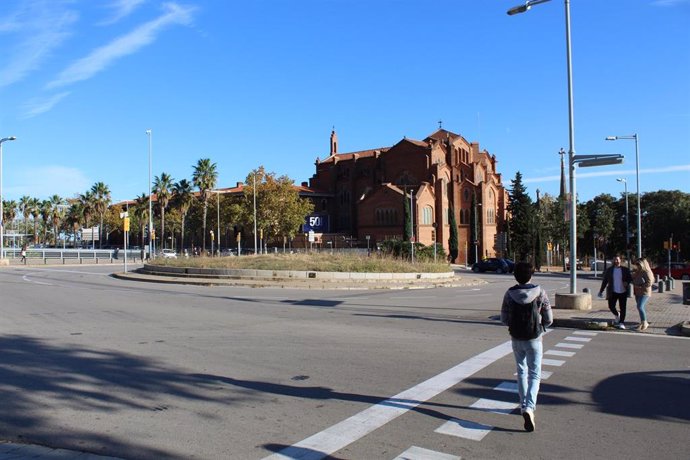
pixel 73 255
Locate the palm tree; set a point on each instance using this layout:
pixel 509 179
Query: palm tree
pixel 163 187
pixel 45 209
pixel 101 201
pixel 87 203
pixel 26 211
pixel 35 211
pixel 205 177
pixel 140 210
pixel 183 195
pixel 56 203
pixel 9 209
pixel 74 217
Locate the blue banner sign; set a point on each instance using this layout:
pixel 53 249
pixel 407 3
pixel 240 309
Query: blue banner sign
pixel 316 223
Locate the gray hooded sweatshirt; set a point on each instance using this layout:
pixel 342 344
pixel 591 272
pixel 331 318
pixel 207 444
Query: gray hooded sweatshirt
pixel 524 294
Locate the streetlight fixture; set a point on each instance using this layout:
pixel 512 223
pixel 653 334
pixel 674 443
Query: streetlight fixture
pixel 571 136
pixel 151 240
pixel 2 210
pixel 637 180
pixel 627 227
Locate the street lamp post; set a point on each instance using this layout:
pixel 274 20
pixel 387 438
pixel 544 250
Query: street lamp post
pixel 218 217
pixel 151 239
pixel 637 180
pixel 571 138
pixel 254 190
pixel 2 210
pixel 627 227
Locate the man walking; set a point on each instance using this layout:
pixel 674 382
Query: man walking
pixel 616 281
pixel 526 311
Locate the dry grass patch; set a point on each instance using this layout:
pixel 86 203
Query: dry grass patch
pixel 310 262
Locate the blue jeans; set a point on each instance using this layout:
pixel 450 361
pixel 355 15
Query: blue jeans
pixel 641 304
pixel 528 355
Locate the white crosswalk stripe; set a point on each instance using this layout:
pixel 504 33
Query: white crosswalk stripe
pixel 588 333
pixel 495 406
pixel 552 362
pixel 419 453
pixel 464 429
pixel 567 354
pixel 574 346
pixel 578 339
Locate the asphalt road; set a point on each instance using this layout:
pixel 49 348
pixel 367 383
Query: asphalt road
pixel 148 371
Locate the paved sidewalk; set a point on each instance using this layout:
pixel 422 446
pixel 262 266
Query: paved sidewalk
pixel 665 314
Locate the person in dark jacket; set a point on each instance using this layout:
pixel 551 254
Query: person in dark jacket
pixel 616 281
pixel 528 353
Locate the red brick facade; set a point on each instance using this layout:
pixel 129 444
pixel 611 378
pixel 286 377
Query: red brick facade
pixel 362 192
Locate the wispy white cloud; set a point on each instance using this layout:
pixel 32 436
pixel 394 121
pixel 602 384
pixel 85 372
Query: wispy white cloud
pixel 44 181
pixel 617 173
pixel 37 28
pixel 125 45
pixel 37 106
pixel 122 9
pixel 669 2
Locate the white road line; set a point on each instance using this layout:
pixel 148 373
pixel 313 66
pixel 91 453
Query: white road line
pixel 66 271
pixel 419 453
pixel 545 375
pixel 592 334
pixel 29 280
pixel 359 425
pixel 552 362
pixel 574 346
pixel 578 339
pixel 559 353
pixel 464 429
pixel 495 406
pixel 509 387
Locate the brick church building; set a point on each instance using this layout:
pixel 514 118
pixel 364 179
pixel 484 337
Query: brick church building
pixel 361 194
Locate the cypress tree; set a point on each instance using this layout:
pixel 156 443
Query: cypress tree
pixel 453 238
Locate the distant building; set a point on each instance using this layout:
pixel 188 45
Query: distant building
pixel 361 194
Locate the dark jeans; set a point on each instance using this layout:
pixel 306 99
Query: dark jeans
pixel 622 299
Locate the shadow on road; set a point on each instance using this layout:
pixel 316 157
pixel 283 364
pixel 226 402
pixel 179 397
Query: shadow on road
pixel 37 379
pixel 660 395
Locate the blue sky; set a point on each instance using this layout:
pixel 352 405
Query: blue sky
pixel 262 82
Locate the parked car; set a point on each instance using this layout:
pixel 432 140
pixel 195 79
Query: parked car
pixel 600 265
pixel 578 265
pixel 679 270
pixel 492 264
pixel 511 265
pixel 168 254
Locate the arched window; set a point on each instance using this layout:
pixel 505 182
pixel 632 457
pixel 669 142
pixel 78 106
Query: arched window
pixel 427 215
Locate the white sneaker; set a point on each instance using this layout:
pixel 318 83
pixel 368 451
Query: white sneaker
pixel 528 415
pixel 620 326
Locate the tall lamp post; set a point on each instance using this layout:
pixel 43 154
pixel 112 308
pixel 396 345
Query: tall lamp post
pixel 627 227
pixel 151 239
pixel 637 180
pixel 218 217
pixel 2 210
pixel 571 137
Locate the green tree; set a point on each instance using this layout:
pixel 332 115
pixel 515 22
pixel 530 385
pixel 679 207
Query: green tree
pixel 407 225
pixel 101 200
pixel 520 210
pixel 601 216
pixel 141 213
pixel 205 177
pixel 35 210
pixel 453 237
pixel 88 209
pixel 74 218
pixel 25 206
pixel 163 187
pixel 665 213
pixel 56 213
pixel 183 197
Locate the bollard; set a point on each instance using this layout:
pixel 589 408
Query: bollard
pixel 656 278
pixel 661 287
pixel 668 284
pixel 686 292
pixel 673 283
pixel 586 290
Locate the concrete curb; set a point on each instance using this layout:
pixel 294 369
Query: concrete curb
pixel 346 284
pixel 685 328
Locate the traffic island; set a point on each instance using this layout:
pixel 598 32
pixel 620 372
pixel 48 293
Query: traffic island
pixel 573 301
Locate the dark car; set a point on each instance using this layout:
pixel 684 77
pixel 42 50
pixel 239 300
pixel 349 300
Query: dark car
pixel 679 270
pixel 492 264
pixel 511 264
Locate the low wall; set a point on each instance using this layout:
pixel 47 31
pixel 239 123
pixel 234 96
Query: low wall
pixel 573 301
pixel 286 274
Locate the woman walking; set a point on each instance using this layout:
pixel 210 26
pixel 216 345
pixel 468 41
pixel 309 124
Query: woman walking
pixel 642 288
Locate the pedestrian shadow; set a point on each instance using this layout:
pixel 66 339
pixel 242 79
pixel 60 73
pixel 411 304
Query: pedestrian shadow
pixel 490 322
pixel 549 394
pixel 659 395
pixel 298 452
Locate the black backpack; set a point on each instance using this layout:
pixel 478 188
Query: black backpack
pixel 525 320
